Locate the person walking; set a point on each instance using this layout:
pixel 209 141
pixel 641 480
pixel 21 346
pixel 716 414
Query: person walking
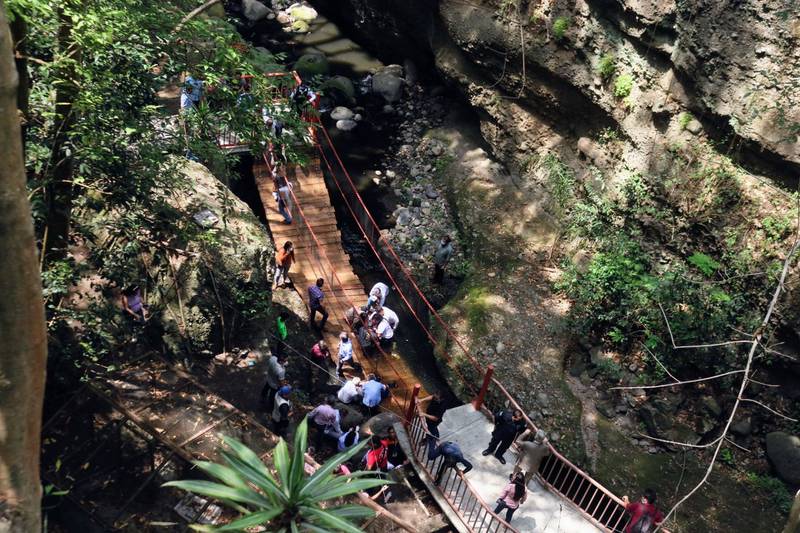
pixel 321 418
pixel 283 262
pixel 374 392
pixel 452 456
pixel 345 352
pixel 283 196
pixel 283 333
pixel 507 425
pixel 377 295
pixel 513 495
pixel 315 297
pixel 276 376
pixel 442 256
pixel 318 371
pixel 645 516
pixel 282 410
pixel 531 454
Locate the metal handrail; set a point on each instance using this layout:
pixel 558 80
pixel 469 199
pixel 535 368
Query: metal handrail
pixel 456 489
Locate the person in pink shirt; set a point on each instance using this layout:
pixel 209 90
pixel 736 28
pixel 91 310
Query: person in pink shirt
pixel 513 495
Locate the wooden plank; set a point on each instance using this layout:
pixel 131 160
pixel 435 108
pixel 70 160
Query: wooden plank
pixel 322 254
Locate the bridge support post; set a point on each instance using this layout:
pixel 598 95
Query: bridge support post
pixel 412 404
pixel 477 403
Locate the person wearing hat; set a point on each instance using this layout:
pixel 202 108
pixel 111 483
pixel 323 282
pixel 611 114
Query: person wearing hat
pixel 282 410
pixel 345 352
pixel 350 391
pixel 531 454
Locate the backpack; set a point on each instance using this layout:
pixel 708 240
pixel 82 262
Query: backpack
pixel 644 524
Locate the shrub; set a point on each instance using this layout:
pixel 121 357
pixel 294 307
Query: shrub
pixel 684 119
pixel 560 27
pixel 477 310
pixel 623 85
pixel 773 487
pixel 607 66
pixel 704 263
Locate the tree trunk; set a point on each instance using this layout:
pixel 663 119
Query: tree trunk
pixel 22 330
pixel 59 189
pixel 793 525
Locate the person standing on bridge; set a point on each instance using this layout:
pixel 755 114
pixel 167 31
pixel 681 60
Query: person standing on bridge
pixel 514 495
pixel 283 195
pixel 377 295
pixel 507 425
pixel 283 262
pixel 345 352
pixel 315 297
pixel 433 417
pixel 373 394
pixel 531 454
pixel 381 330
pixel 442 256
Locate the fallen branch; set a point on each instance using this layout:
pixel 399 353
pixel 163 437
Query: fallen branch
pixel 193 13
pixel 684 382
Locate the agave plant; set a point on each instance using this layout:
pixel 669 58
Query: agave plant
pixel 289 502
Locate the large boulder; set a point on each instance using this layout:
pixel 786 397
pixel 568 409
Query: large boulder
pixel 254 10
pixel 309 65
pixel 340 85
pixel 783 451
pixel 225 269
pixel 388 82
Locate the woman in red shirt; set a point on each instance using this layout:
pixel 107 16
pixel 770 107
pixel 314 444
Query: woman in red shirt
pixel 645 517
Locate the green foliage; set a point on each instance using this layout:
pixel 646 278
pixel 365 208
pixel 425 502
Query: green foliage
pixel 623 85
pixel 726 456
pixel 776 228
pixel 289 500
pixel 109 60
pixel 608 135
pixel 560 26
pixel 477 310
pixel 684 119
pixel 704 263
pixel 610 370
pixel 607 66
pixel 441 164
pixel 560 179
pixel 252 300
pixel 773 488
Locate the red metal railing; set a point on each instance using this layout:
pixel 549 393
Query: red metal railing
pixel 590 498
pixel 456 489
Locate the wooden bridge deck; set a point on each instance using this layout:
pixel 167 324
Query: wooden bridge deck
pixel 342 288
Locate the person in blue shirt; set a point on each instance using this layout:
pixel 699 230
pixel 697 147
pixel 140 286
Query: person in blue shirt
pixel 373 394
pixel 191 93
pixel 451 456
pixel 315 297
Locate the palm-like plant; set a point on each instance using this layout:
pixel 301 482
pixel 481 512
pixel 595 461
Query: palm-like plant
pixel 291 503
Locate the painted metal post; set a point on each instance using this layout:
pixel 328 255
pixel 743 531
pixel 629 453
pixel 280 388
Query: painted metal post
pixel 412 405
pixel 487 378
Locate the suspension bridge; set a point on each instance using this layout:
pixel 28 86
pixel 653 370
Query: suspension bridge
pixel 567 498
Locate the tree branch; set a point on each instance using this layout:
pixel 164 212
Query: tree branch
pixel 754 344
pixel 193 13
pixel 684 382
pixel 688 346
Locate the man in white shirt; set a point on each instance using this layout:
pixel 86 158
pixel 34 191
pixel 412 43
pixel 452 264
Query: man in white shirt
pixel 377 295
pixel 381 330
pixel 350 391
pixel 391 316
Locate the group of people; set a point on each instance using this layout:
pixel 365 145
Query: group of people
pixel 533 448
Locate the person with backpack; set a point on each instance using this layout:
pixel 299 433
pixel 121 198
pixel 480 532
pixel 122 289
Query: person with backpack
pixel 513 495
pixel 507 425
pixel 645 516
